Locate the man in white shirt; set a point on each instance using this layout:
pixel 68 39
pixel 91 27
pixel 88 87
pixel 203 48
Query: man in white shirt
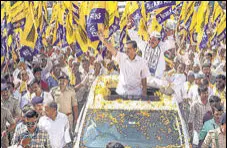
pixel 56 124
pixel 133 69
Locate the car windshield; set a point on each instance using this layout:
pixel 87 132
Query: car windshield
pixel 132 128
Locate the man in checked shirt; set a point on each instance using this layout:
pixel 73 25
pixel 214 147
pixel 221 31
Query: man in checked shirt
pixel 34 136
pixel 198 110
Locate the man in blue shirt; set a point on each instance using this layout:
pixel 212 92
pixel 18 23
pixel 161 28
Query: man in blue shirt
pixel 55 73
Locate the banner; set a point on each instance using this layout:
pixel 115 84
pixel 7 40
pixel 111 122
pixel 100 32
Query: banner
pixel 164 15
pixel 152 5
pixel 26 53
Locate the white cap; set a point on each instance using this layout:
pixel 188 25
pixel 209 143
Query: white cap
pixel 171 24
pixel 56 48
pixel 70 58
pixel 155 34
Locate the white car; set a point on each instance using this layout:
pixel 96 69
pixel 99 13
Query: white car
pixel 133 121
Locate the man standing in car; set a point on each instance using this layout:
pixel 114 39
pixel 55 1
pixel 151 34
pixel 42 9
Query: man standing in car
pixel 133 69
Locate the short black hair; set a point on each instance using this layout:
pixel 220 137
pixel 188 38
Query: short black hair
pixel 53 104
pixel 134 44
pixel 220 76
pixel 209 54
pixel 33 82
pixel 114 145
pixel 36 69
pixel 205 81
pixel 202 89
pixel 218 108
pixel 31 114
pixel 212 97
pixel 206 65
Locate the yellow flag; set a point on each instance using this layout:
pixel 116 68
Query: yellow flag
pixel 202 22
pixel 70 34
pixel 154 26
pixel 19 11
pixel 142 29
pixel 183 13
pixel 217 13
pixel 202 10
pixel 188 14
pixel 29 35
pixel 124 17
pixel 221 28
pixel 123 24
pixel 81 35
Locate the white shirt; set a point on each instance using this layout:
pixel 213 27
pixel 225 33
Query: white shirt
pixel 193 93
pixel 47 97
pixel 131 74
pixel 185 89
pixel 46 70
pixel 58 129
pixel 177 81
pixel 25 99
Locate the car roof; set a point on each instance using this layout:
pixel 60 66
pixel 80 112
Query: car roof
pixel 99 89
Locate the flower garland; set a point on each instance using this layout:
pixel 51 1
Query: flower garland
pixel 101 91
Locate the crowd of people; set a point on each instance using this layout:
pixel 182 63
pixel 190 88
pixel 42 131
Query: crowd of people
pixel 42 98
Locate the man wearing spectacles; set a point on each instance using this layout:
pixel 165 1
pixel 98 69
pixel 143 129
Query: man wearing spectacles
pixel 34 136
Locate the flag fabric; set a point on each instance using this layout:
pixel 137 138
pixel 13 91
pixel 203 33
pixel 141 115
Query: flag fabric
pixel 221 29
pixel 142 29
pixel 123 25
pixel 202 24
pixel 188 15
pixel 81 34
pixel 114 18
pixel 217 14
pixel 29 35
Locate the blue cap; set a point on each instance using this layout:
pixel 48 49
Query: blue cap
pixel 37 100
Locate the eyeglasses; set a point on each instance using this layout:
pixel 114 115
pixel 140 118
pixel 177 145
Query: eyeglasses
pixel 31 124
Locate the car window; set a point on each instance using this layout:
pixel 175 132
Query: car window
pixel 131 128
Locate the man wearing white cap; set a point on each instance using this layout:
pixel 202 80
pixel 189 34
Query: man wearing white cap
pixel 153 51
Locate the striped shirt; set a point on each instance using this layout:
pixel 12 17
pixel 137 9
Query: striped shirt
pixel 197 112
